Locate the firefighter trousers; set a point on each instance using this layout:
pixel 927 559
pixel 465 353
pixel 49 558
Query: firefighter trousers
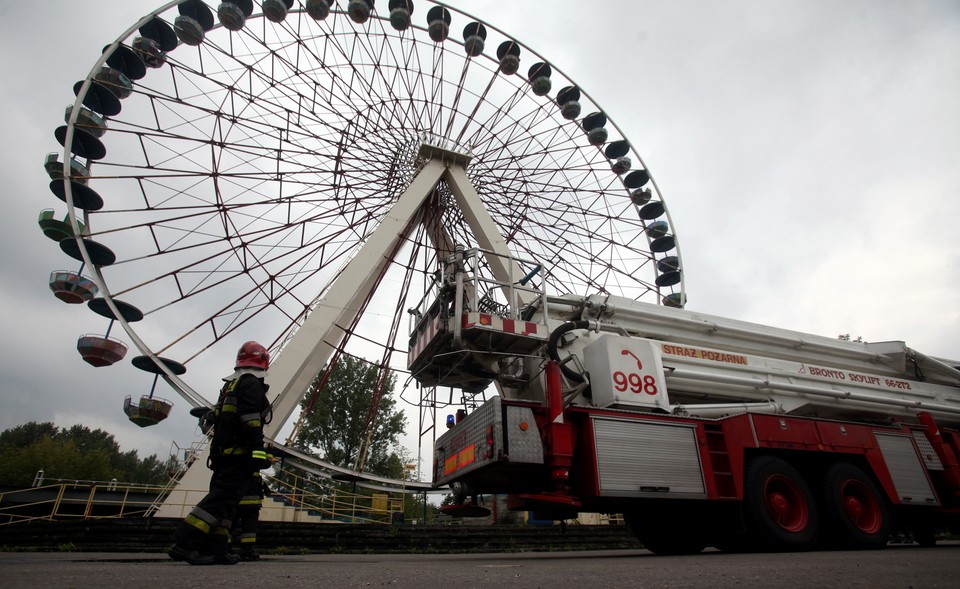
pixel 248 513
pixel 207 527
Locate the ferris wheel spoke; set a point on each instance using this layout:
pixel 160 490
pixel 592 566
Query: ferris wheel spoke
pixel 307 251
pixel 388 53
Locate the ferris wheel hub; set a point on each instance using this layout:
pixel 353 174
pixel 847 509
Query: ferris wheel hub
pixel 443 149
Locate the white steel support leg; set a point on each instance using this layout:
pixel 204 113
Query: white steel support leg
pixel 484 229
pixel 190 489
pixel 312 345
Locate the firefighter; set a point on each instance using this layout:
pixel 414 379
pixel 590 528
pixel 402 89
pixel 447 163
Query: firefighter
pixel 236 450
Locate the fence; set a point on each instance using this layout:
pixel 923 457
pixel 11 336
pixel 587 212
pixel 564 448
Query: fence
pixel 292 501
pixel 78 500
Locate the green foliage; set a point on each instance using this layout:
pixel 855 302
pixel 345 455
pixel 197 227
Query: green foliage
pixel 75 453
pixel 336 427
pixel 59 458
pixel 27 434
pixel 413 504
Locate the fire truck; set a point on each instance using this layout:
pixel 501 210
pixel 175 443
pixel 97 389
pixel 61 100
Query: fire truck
pixel 699 430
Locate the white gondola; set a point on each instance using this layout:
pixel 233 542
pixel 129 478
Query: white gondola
pixel 359 10
pixel 318 9
pixel 400 13
pixel 276 10
pixel 474 39
pixel 539 76
pixel 438 24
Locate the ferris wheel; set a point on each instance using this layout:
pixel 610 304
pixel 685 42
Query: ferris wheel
pixel 296 171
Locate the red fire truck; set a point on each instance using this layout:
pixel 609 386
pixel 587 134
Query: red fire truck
pixel 698 429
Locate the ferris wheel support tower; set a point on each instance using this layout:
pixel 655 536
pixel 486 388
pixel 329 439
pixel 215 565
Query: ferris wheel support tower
pixel 312 345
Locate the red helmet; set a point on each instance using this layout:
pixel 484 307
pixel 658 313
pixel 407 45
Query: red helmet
pixel 253 355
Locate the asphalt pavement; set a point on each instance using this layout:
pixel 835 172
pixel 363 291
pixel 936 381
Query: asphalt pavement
pixel 899 567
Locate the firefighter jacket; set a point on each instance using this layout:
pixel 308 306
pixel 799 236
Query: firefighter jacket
pixel 240 415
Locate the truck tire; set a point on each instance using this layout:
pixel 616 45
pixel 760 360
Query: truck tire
pixel 781 513
pixel 854 509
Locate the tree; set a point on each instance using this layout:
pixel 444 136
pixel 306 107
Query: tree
pixel 27 434
pixel 413 508
pixel 75 453
pixel 59 458
pixel 336 426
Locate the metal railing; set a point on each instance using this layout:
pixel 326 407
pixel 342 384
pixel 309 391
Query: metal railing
pixel 332 505
pixel 111 500
pixel 293 501
pixel 77 500
pixel 474 291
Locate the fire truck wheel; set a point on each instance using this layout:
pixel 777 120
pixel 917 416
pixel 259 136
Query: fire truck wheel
pixel 853 508
pixel 780 509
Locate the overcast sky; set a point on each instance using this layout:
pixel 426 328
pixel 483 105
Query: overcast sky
pixel 808 151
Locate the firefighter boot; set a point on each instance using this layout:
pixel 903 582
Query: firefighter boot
pixel 218 545
pixel 248 554
pixel 226 558
pixel 190 556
